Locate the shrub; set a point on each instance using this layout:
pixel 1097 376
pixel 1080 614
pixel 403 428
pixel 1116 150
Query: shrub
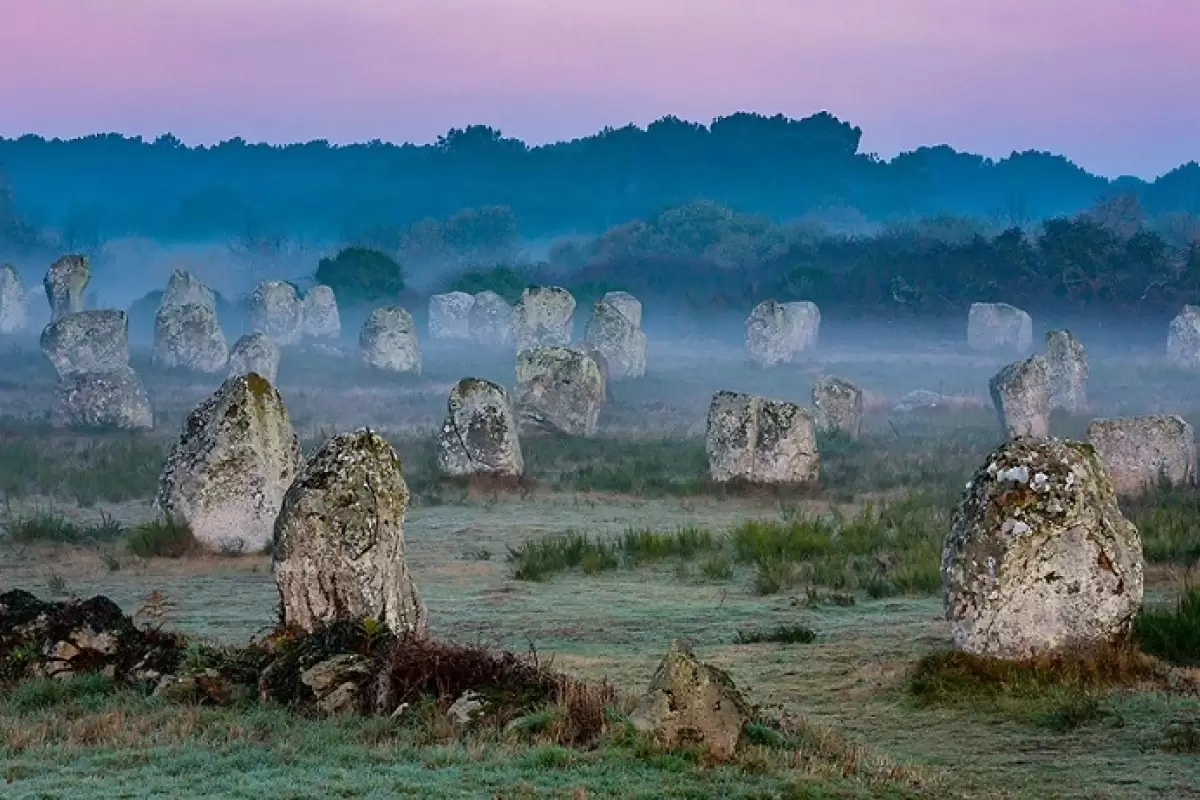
pixel 361 275
pixel 503 280
pixel 165 538
pixel 784 634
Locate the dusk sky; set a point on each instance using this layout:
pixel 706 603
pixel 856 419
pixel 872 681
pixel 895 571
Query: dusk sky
pixel 1110 83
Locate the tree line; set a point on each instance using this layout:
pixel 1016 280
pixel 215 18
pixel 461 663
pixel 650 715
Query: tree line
pixel 109 185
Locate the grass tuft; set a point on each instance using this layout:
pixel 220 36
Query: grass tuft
pixel 162 538
pixel 784 634
pixel 1172 634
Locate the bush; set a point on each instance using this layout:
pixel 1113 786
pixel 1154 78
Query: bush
pixel 361 275
pixel 162 539
pixel 1172 634
pixel 503 280
pixel 784 634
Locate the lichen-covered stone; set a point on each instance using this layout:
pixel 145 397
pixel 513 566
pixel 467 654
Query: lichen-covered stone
pixel 321 317
pixel 336 683
pixel 479 436
pixel 184 288
pixel 779 333
pixel 1068 365
pixel 1039 558
pixel 339 538
pixel 88 341
pixel 760 440
pixel 1021 396
pixel 1183 338
pixel 837 406
pixel 489 322
pixel 14 302
pixel 388 341
pixel 543 318
pixel 235 458
pixel 190 336
pixel 692 704
pixel 111 398
pixel 255 352
pixel 627 304
pixel 450 315
pixel 65 283
pixel 275 308
pixel 559 390
pixel 1140 452
pixel 618 338
pixel 999 327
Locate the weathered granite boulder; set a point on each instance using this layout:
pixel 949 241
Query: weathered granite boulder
pixel 112 398
pixel 14 302
pixel 543 318
pixel 450 315
pixel 479 436
pixel 1183 338
pixel 837 406
pixel 692 704
pixel 629 306
pixel 321 317
pixel 339 538
pixel 1021 396
pixel 759 440
pixel 1067 362
pixel 489 322
pixel 275 308
pixel 1039 558
pixel 190 336
pixel 235 458
pixel 336 683
pixel 779 333
pixel 618 338
pixel 255 352
pixel 999 327
pixel 88 341
pixel 65 283
pixel 388 341
pixel 1141 452
pixel 559 390
pixel 184 288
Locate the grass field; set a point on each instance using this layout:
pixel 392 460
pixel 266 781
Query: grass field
pixel 617 545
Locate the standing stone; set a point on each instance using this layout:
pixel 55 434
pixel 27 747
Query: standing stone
pixel 999 327
pixel 1039 558
pixel 388 341
pixel 543 318
pixel 759 440
pixel 227 474
pixel 450 315
pixel 321 317
pixel 110 398
pixel 255 352
pixel 779 333
pixel 14 305
pixel 275 308
pixel 559 390
pixel 691 704
pixel 1183 338
pixel 1142 451
pixel 65 283
pixel 190 336
pixel 339 539
pixel 1068 365
pixel 627 304
pixel 1021 396
pixel 479 436
pixel 618 338
pixel 489 322
pixel 837 406
pixel 88 341
pixel 184 288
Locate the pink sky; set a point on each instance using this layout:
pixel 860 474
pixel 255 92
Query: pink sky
pixel 1110 83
